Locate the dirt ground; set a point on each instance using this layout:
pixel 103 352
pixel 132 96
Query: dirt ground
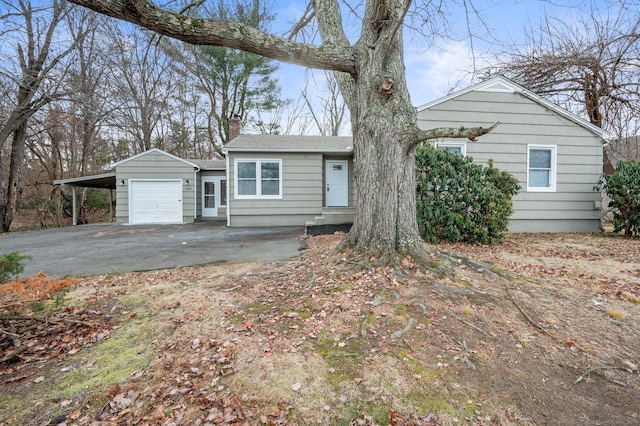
pixel 542 329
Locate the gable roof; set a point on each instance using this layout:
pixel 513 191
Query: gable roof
pixel 133 157
pixel 288 143
pixel 501 84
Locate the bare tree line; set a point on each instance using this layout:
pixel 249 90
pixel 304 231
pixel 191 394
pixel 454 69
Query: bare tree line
pixel 80 91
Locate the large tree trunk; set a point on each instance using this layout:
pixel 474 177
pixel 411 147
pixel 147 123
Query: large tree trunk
pixel 385 136
pixel 384 149
pixel 15 184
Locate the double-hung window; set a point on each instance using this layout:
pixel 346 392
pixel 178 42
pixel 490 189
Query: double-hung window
pixel 459 147
pixel 541 168
pixel 258 179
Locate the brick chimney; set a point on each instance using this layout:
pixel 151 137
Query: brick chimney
pixel 235 125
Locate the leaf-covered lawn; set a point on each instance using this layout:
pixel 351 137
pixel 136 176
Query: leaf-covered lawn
pixel 542 331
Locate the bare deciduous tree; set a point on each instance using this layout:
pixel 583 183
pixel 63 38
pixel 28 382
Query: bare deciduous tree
pixel 590 65
pixel 372 79
pixel 33 79
pixel 326 106
pixel 142 82
pixel 288 118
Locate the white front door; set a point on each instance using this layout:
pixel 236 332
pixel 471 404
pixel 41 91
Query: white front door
pixel 337 184
pixel 212 195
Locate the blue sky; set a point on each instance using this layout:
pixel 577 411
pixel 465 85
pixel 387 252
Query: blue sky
pixel 433 71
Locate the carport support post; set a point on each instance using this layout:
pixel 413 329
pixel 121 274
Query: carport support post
pixel 73 205
pixel 110 205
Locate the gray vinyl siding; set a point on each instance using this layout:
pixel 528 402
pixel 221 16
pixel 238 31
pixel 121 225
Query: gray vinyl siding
pixel 572 207
pixel 301 192
pixel 150 166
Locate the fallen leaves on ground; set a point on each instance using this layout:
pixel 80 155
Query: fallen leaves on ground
pixel 30 339
pixel 330 337
pixel 28 342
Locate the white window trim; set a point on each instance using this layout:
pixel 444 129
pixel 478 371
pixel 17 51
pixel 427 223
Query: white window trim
pixel 554 170
pixel 258 196
pixel 457 144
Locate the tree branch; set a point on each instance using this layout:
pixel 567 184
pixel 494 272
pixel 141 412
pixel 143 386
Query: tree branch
pixel 214 32
pixel 471 133
pixel 307 16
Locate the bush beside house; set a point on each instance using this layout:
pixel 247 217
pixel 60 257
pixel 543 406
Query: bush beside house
pixel 458 200
pixel 623 190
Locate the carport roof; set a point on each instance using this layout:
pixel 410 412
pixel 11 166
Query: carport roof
pixel 104 180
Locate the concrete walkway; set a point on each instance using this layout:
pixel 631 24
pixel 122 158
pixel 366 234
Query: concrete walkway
pixel 110 248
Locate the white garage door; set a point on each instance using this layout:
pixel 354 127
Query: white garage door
pixel 155 201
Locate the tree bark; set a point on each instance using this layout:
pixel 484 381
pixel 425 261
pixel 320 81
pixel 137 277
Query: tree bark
pixel 15 182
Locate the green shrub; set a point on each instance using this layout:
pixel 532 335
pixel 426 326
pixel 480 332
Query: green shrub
pixel 623 189
pixel 11 264
pixel 458 200
pixel 96 198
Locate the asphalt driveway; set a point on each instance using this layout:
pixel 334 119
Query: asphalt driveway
pixel 110 248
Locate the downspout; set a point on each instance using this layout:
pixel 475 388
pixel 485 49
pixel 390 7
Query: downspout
pixel 195 194
pixel 110 205
pixel 229 197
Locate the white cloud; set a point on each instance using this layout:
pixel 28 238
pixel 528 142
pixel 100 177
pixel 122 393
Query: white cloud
pixel 433 73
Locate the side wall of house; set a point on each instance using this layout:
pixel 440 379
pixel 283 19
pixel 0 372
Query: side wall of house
pixel 573 206
pixel 302 192
pixel 155 166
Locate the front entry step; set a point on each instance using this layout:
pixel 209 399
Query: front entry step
pixel 334 216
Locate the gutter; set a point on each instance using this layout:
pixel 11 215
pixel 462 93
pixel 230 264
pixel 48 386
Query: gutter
pixel 296 150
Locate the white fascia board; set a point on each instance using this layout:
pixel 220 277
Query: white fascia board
pixel 276 150
pixel 133 157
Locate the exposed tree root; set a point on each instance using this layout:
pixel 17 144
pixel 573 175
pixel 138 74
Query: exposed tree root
pixel 406 329
pixel 475 327
pixel 14 355
pixel 600 368
pixel 44 320
pixel 523 312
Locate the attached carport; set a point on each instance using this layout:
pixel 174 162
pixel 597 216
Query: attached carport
pixel 102 181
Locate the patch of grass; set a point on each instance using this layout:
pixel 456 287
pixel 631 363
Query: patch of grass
pixel 401 309
pixel 435 264
pixel 37 306
pixel 524 337
pixel 248 310
pixel 428 394
pixel 615 314
pixel 467 310
pixel 379 412
pixel 92 370
pixel 633 299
